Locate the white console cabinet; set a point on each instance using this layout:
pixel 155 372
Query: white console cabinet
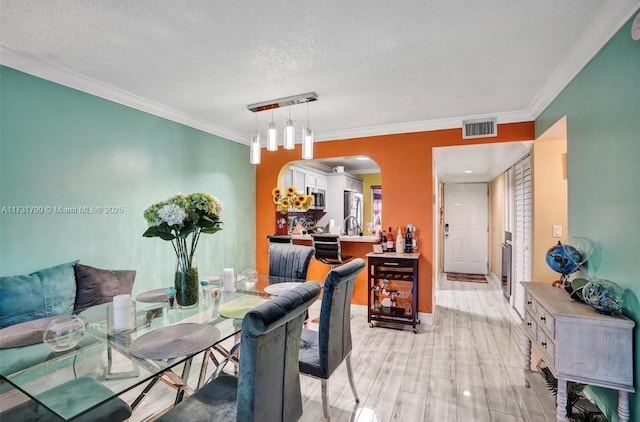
pixel 578 344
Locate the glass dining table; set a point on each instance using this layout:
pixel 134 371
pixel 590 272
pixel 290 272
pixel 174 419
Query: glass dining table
pixel 108 358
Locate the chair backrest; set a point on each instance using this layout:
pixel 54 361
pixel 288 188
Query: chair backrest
pixel 327 246
pixel 334 334
pixel 280 238
pixel 290 261
pixel 269 379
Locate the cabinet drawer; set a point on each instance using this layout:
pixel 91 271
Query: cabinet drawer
pixel 530 304
pixel 548 347
pixel 530 326
pixel 547 320
pixel 392 263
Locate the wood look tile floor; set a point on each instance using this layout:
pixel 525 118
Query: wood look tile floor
pixel 466 366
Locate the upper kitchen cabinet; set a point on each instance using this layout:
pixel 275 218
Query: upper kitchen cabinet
pixel 345 182
pixel 296 177
pixel 316 180
pixel 305 180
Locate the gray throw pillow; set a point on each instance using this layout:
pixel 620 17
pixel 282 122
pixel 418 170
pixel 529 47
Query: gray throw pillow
pixel 96 286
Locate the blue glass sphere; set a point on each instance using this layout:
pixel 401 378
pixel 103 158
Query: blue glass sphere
pixel 604 296
pixel 563 259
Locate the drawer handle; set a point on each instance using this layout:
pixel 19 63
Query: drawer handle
pixel 529 302
pixel 391 263
pixel 544 344
pixel 544 319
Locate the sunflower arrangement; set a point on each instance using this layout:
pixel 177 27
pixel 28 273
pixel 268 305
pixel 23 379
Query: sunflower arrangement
pixel 284 200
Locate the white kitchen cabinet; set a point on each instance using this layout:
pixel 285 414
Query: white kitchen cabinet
pixel 316 180
pixel 297 177
pixel 337 184
pixel 578 344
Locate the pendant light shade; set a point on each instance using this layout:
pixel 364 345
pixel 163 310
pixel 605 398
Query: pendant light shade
pixel 272 137
pixel 254 151
pixel 289 138
pixel 289 135
pixel 307 144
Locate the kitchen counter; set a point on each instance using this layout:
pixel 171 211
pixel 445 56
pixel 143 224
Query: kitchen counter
pixel 344 238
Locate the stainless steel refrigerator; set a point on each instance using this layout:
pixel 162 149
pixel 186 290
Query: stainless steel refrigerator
pixel 353 207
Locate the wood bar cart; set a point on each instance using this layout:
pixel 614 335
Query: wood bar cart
pixel 393 289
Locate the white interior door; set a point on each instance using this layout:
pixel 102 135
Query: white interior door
pixel 466 228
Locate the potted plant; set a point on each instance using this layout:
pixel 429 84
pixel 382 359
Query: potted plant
pixel 181 220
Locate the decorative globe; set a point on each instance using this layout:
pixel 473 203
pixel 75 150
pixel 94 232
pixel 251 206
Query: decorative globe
pixel 563 259
pixel 604 296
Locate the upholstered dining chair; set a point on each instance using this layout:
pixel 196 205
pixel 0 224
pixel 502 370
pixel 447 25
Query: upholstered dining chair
pixel 268 384
pixel 288 260
pixel 322 351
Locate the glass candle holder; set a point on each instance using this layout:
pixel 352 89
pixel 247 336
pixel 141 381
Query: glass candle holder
pixel 121 319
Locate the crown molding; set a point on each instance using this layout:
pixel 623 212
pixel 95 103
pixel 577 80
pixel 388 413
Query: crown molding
pixel 36 67
pixel 420 126
pixel 591 41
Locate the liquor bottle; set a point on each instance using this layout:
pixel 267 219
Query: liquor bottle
pixel 408 241
pixel 414 239
pixel 399 242
pixel 383 242
pixel 390 245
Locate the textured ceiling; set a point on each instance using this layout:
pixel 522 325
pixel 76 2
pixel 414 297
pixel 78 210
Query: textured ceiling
pixel 377 66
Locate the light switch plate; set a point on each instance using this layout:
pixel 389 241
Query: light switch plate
pixel 557 230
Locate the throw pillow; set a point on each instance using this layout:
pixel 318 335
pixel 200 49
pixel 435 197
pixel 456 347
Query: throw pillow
pixel 48 292
pixel 96 285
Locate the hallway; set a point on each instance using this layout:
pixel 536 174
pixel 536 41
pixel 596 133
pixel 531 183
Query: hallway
pixel 467 366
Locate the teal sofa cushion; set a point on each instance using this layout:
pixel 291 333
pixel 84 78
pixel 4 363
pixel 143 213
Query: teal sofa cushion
pixel 44 293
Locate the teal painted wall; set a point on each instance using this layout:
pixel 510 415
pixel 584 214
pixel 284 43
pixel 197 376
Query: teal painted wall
pixel 60 147
pixel 602 105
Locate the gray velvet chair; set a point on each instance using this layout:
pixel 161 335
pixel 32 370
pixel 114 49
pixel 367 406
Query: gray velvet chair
pixel 291 261
pixel 322 351
pixel 268 384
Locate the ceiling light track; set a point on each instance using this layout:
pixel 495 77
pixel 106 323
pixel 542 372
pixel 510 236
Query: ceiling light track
pixel 283 102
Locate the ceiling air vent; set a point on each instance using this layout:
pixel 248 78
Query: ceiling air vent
pixel 479 128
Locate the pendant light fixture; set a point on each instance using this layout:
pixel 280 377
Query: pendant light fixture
pixel 307 140
pixel 272 135
pixel 254 149
pixel 289 133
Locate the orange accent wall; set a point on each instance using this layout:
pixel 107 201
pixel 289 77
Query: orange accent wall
pixel 405 162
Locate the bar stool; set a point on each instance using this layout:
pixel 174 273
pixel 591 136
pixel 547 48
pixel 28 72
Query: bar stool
pixel 281 238
pixel 328 250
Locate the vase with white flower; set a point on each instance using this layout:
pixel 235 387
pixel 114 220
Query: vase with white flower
pixel 286 201
pixel 181 220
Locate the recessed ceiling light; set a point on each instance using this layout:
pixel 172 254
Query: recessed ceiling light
pixel 362 158
pixel 468 171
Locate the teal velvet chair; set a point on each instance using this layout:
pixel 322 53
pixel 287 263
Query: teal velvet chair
pixel 322 351
pixel 268 384
pixel 291 261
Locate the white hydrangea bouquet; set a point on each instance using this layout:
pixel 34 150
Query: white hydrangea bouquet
pixel 176 219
